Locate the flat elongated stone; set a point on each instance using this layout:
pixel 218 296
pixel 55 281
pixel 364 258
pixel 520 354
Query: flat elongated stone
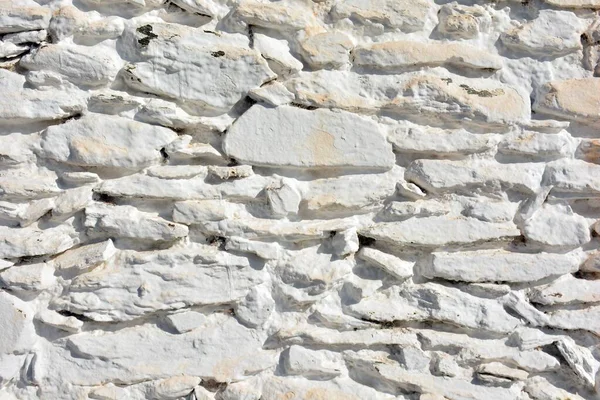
pixel 79 64
pixel 399 55
pixel 446 175
pixel 440 231
pixel 552 33
pixel 567 290
pixel 229 351
pixel 573 179
pixel 275 15
pixel 139 185
pixel 429 140
pixel 406 15
pixel 26 242
pixel 109 141
pixel 292 137
pixel 126 221
pixel 572 99
pixel 349 194
pixel 205 73
pixel 132 285
pixel 391 264
pixel 500 265
pixel 575 3
pixel 84 258
pixel 557 226
pixel 414 96
pixel 14 17
pixel 537 145
pixel 432 302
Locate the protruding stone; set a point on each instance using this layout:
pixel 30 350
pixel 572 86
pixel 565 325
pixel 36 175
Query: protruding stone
pixel 500 265
pixel 127 222
pixel 567 290
pixel 446 175
pixel 557 226
pixel 552 33
pixel 291 137
pixel 14 17
pixel 463 22
pixel 82 65
pixel 405 15
pixel 33 277
pixel 84 258
pixel 26 242
pixel 310 363
pixel 108 141
pixel 326 50
pixel 400 55
pixel 391 264
pixel 572 99
pixel 440 231
pixel 185 321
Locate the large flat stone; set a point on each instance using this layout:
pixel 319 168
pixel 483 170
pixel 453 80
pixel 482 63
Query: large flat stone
pixel 420 97
pixel 292 137
pixel 440 231
pixel 107 141
pixel 572 99
pixel 405 15
pixel 397 56
pixel 501 265
pixel 486 175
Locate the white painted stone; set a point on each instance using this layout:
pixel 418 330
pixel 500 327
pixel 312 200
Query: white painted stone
pixel 309 363
pixel 428 140
pixel 18 16
pixel 393 265
pixel 463 22
pixel 132 285
pixel 572 99
pixel 185 321
pixel 291 137
pixel 81 65
pixel 277 53
pixel 405 15
pixel 18 333
pixel 400 55
pixel 283 200
pixel 500 265
pixel 32 277
pixel 345 243
pixel 52 318
pixel 558 226
pixel 226 69
pixel 329 50
pixel 84 258
pixel 349 194
pixel 485 175
pixel 259 200
pixel 432 302
pixel 195 188
pixel 536 145
pixel 97 140
pixel 414 96
pixel 125 221
pixel 274 94
pixel 552 33
pixel 567 290
pixel 440 231
pixel 31 241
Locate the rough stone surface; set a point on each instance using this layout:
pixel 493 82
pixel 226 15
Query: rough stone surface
pixel 299 200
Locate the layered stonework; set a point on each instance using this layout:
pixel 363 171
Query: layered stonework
pixel 300 199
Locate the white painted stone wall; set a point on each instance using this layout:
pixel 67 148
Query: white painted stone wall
pixel 300 199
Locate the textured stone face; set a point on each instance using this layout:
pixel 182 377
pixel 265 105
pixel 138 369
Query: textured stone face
pixel 299 200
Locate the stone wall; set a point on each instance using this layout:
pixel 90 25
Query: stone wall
pixel 299 200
